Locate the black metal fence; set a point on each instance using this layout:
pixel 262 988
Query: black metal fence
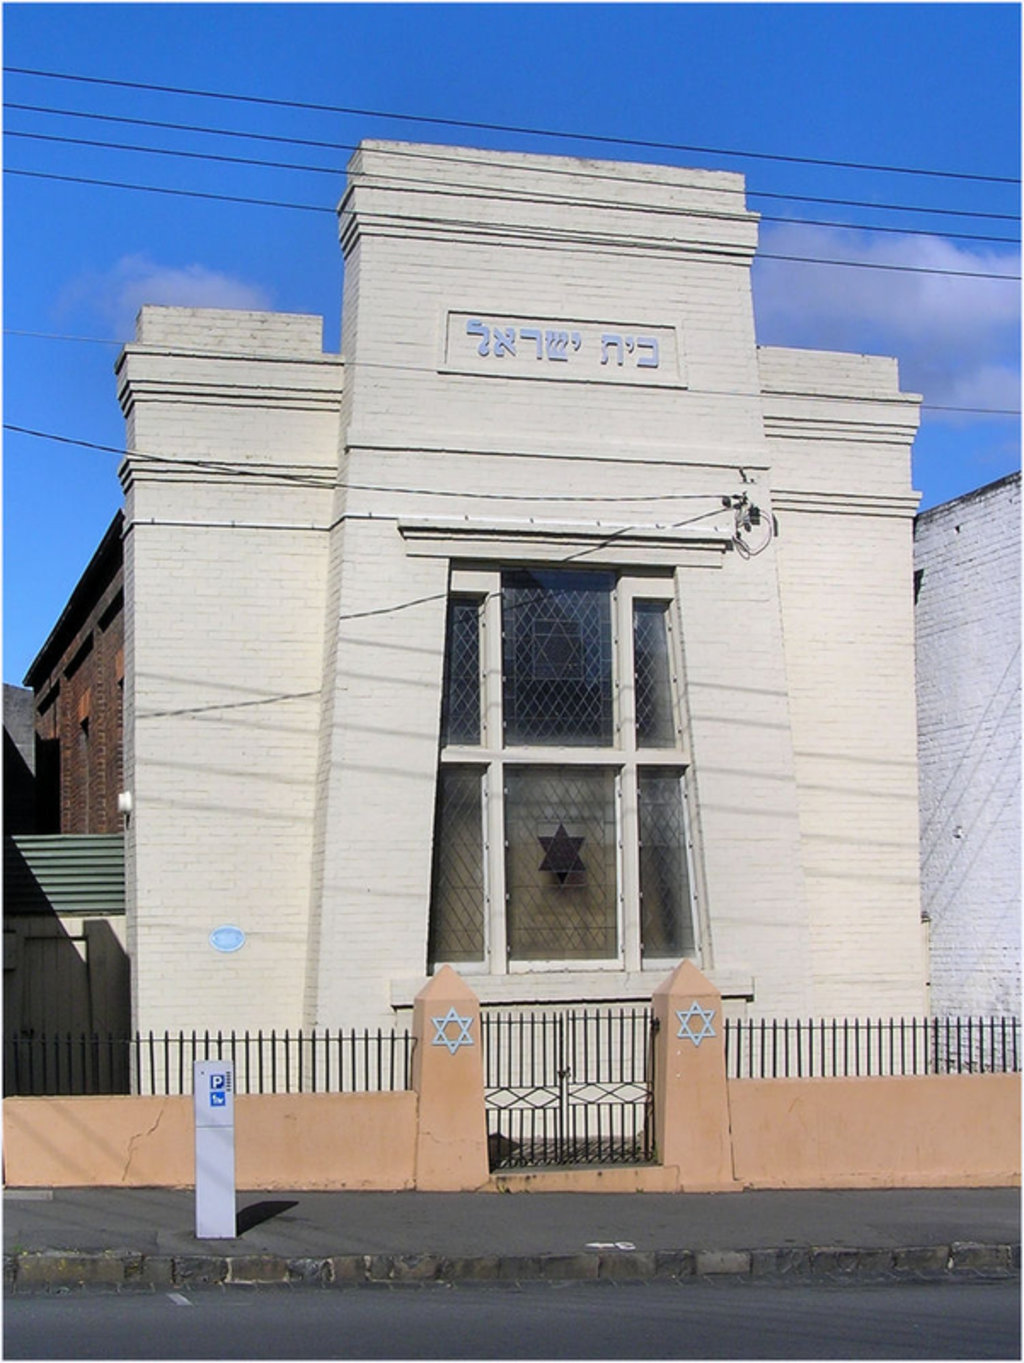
pixel 160 1064
pixel 571 1087
pixel 818 1048
pixel 562 1087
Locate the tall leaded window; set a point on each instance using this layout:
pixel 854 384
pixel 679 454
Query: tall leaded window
pixel 557 658
pixel 655 722
pixel 560 863
pixel 560 835
pixel 460 716
pixel 457 920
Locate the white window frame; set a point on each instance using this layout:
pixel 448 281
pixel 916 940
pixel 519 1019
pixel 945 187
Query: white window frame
pixel 623 756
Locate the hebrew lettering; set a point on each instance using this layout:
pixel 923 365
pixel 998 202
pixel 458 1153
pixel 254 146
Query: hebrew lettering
pixel 607 342
pixel 476 328
pixel 533 334
pixel 557 345
pixel 651 360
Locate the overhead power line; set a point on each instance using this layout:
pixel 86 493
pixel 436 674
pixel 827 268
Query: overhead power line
pixel 477 124
pixel 274 473
pixel 551 235
pixel 457 189
pixel 413 154
pixel 424 369
pixel 162 189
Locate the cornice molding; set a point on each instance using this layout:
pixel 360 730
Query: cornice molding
pixel 486 444
pixel 861 429
pixel 289 382
pixel 353 227
pixel 278 398
pixel 562 541
pixel 846 503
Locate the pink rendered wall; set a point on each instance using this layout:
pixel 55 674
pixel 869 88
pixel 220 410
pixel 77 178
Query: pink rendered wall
pixel 929 1131
pixel 284 1141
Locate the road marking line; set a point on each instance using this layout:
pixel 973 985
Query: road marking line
pixel 178 1299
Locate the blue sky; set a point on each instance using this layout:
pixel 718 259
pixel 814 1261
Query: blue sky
pixel 925 87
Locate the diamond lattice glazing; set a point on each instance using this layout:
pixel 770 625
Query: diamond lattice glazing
pixel 655 725
pixel 666 927
pixel 460 719
pixel 561 882
pixel 557 645
pixel 457 897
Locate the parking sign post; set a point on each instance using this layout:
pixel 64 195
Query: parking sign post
pixel 213 1093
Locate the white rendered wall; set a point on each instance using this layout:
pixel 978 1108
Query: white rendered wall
pixel 840 433
pixel 967 558
pixel 226 552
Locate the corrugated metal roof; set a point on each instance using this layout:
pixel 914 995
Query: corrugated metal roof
pixel 64 873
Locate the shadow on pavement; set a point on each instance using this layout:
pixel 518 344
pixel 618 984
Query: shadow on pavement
pixel 248 1217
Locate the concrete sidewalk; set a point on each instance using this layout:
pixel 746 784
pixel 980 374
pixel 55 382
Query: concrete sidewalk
pixel 145 1237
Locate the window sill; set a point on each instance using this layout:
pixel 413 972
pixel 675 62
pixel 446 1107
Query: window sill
pixel 573 986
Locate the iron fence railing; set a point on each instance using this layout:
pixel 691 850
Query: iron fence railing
pixel 823 1048
pixel 533 1062
pixel 160 1064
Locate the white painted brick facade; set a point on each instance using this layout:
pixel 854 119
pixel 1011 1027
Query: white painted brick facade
pixel 284 715
pixel 967 562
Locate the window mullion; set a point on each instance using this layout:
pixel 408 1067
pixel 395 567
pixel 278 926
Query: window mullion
pixel 630 862
pixel 624 670
pixel 490 668
pixel 629 889
pixel 494 803
pixel 494 869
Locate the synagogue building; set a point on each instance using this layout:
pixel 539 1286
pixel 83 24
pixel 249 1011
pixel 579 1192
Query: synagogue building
pixel 553 630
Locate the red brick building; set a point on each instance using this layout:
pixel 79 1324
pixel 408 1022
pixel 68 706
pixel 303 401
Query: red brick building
pixel 77 680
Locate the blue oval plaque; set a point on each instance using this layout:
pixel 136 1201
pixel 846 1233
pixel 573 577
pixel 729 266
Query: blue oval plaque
pixel 227 938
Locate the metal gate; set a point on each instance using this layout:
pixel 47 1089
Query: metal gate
pixel 571 1087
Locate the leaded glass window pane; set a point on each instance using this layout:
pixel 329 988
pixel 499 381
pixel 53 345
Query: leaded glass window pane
pixel 655 724
pixel 666 921
pixel 557 647
pixel 460 716
pixel 457 894
pixel 560 863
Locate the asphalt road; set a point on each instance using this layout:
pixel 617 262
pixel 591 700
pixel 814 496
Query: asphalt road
pixel 728 1319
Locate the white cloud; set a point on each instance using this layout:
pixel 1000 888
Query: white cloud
pixel 956 338
pixel 115 295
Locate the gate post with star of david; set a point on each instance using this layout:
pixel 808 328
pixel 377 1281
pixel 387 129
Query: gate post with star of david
pixel 448 1076
pixel 691 1100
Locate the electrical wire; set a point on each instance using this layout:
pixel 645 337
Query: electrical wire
pixel 555 563
pixel 425 369
pixel 414 154
pixel 271 473
pixel 458 189
pixel 398 607
pixel 550 235
pixel 740 505
pixel 160 189
pixel 479 125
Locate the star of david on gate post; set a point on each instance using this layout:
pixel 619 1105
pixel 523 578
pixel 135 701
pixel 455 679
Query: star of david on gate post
pixel 442 1036
pixel 686 1021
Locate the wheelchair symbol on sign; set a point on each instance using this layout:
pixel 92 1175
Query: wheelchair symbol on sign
pixel 218 1100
